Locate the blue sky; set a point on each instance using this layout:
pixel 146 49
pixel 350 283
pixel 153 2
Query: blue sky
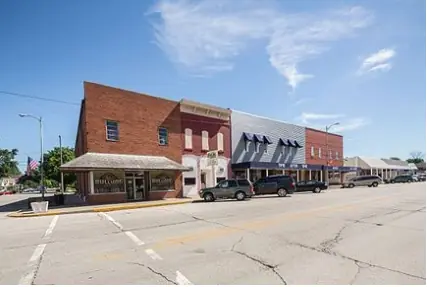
pixel 361 63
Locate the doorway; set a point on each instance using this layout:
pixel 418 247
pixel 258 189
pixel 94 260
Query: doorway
pixel 135 186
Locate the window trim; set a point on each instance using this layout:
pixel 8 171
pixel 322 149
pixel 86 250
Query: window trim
pixel 106 131
pixel 167 136
pixel 320 152
pixel 220 142
pixel 188 139
pixel 247 145
pixel 257 145
pixel 312 152
pixel 205 140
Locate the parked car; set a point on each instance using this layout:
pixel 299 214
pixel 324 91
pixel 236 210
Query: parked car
pixel 363 180
pixel 311 185
pixel 281 185
pixel 415 177
pixel 422 177
pixel 402 178
pixel 231 188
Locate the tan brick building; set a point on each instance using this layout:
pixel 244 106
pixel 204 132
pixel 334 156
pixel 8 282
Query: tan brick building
pixel 128 146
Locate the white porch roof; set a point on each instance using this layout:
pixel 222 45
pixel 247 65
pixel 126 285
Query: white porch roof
pixel 373 163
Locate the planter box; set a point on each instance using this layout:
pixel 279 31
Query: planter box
pixel 41 206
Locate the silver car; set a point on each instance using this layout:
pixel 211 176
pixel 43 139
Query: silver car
pixel 363 180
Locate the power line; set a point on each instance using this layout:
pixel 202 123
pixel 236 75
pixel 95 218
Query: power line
pixel 38 98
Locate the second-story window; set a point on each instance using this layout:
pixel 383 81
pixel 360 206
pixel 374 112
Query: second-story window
pixel 220 141
pixel 205 140
pixel 163 136
pixel 257 145
pixel 188 141
pixel 312 151
pixel 337 155
pixel 112 130
pixel 320 152
pixel 330 154
pixel 247 145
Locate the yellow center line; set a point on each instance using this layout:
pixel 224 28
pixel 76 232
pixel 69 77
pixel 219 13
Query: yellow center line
pixel 255 225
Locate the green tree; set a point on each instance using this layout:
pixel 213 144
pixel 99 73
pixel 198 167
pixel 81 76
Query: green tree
pixel 395 158
pixel 51 164
pixel 8 164
pixel 416 157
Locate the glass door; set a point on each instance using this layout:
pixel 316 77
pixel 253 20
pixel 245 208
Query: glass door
pixel 139 188
pixel 130 190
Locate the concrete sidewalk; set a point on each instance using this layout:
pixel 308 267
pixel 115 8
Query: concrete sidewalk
pixel 102 208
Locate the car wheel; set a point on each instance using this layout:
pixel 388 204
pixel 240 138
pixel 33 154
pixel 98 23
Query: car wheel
pixel 240 195
pixel 409 180
pixel 316 190
pixel 282 192
pixel 375 184
pixel 351 185
pixel 208 197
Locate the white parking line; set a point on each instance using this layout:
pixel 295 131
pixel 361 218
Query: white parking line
pixel 33 263
pixel 153 254
pixel 51 226
pixel 112 220
pixel 181 279
pixel 134 238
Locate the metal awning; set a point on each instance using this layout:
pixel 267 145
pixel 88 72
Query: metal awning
pixel 248 136
pixel 267 140
pixel 297 144
pixel 291 144
pixel 104 161
pixel 259 138
pixel 283 142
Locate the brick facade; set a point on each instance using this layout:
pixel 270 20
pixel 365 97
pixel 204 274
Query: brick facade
pixel 139 116
pixel 213 126
pixel 317 139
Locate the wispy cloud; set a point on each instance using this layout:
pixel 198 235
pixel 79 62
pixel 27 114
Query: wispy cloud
pixel 378 61
pixel 301 101
pixel 320 121
pixel 205 36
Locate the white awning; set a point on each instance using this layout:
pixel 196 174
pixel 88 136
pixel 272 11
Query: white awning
pixel 374 163
pixel 102 161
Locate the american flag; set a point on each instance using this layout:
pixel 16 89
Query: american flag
pixel 31 165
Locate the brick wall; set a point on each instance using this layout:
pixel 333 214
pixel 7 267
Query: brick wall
pixel 139 116
pixel 317 139
pixel 213 126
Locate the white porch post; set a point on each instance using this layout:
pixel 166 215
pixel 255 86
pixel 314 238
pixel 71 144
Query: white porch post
pixel 377 171
pixel 266 172
pixel 297 175
pixel 247 174
pixel 309 174
pixel 371 171
pixel 321 175
pixel 91 183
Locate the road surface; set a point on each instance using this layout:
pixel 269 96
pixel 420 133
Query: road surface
pixel 351 236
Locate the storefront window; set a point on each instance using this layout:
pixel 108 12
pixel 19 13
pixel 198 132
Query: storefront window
pixel 162 180
pixel 107 181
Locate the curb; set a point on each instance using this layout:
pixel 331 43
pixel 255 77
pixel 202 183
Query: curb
pixel 19 214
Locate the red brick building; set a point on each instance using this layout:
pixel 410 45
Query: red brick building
pixel 128 146
pixel 324 149
pixel 204 128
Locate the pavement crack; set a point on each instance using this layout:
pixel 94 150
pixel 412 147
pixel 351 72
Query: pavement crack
pixel 359 268
pixel 155 272
pixel 263 263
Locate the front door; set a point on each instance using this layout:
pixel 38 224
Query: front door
pixel 135 187
pixel 130 188
pixel 139 188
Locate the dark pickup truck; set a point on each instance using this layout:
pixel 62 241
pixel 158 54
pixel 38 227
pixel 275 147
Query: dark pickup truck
pixel 281 185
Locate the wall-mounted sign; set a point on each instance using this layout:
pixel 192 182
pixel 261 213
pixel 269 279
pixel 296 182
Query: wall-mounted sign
pixel 162 180
pixel 107 182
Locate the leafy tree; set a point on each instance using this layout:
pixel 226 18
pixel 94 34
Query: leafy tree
pixel 8 164
pixel 395 158
pixel 416 157
pixel 51 164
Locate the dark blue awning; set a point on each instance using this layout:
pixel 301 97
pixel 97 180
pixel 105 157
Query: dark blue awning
pixel 290 143
pixel 267 140
pixel 283 142
pixel 259 138
pixel 248 136
pixel 297 144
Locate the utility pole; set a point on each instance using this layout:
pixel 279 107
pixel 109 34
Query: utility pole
pixel 328 154
pixel 62 174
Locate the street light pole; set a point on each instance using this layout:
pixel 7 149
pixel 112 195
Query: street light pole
pixel 40 120
pixel 328 154
pixel 62 174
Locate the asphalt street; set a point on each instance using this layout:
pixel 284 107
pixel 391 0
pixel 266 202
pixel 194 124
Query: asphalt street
pixel 344 236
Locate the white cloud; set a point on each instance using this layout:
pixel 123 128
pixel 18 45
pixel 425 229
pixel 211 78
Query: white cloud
pixel 205 36
pixel 301 101
pixel 308 117
pixel 320 121
pixel 378 61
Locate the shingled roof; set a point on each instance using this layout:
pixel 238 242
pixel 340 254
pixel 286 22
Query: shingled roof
pixel 100 161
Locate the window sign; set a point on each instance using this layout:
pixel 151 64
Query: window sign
pixel 105 182
pixel 162 180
